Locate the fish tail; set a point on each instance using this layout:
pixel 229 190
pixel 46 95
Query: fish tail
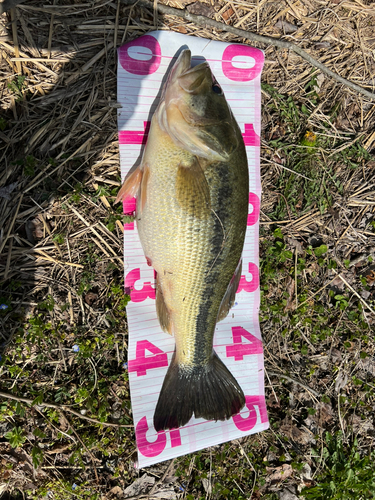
pixel 208 391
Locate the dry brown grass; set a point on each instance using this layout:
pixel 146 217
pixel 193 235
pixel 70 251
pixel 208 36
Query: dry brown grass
pixel 62 237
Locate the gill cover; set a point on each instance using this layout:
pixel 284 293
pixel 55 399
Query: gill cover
pixel 194 112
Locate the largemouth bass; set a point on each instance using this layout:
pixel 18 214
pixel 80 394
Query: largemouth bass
pixel 192 206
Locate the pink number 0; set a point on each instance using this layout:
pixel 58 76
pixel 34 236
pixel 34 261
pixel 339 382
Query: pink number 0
pixel 242 74
pixel 154 448
pixel 139 66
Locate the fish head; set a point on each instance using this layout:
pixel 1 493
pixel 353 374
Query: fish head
pixel 195 113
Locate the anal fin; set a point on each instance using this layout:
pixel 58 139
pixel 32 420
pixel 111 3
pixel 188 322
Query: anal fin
pixel 230 294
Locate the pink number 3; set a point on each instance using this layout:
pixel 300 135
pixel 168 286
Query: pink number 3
pixel 249 286
pixel 138 295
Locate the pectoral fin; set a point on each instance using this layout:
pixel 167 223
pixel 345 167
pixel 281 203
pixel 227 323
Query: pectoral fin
pixel 143 193
pixel 162 310
pixel 131 184
pixel 230 294
pixel 193 193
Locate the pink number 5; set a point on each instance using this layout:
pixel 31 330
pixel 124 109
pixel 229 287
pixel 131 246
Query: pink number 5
pixel 247 423
pixel 154 448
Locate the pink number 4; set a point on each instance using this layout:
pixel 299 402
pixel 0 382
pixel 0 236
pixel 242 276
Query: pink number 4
pixel 238 350
pixel 142 363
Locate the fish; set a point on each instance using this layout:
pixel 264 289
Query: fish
pixel 191 191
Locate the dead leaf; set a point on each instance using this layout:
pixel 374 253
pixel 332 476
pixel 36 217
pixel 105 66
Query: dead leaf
pixel 359 425
pixel 285 26
pixel 139 486
pixel 227 14
pixel 273 402
pixel 319 82
pixel 6 190
pixel 34 230
pixel 116 491
pixel 290 290
pixel 64 424
pixel 322 45
pixel 341 381
pixel 368 365
pixel 365 294
pixel 201 9
pixel 336 355
pixel 335 212
pixel 90 298
pixel 297 435
pixel 271 456
pixel 166 494
pixel 287 494
pixel 338 283
pixel 324 415
pixel 279 473
pixel 295 244
pixel 182 29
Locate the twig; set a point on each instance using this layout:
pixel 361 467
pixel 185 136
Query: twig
pixel 95 232
pixel 295 277
pixel 355 293
pixel 339 412
pixel 63 407
pixel 83 444
pixel 316 293
pixel 206 21
pixel 269 380
pixel 281 375
pixel 10 228
pixel 167 470
pixel 9 4
pixel 15 39
pixel 44 256
pixel 251 465
pixel 286 168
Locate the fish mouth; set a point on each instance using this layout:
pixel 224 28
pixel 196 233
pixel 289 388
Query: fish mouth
pixel 182 75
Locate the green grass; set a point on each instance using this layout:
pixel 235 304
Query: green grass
pixel 346 472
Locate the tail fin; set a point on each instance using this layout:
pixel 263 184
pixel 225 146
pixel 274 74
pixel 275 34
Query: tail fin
pixel 209 391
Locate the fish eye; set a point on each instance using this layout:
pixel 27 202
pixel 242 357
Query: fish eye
pixel 217 89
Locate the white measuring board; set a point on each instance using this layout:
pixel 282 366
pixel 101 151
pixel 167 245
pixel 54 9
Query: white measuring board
pixel 143 65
